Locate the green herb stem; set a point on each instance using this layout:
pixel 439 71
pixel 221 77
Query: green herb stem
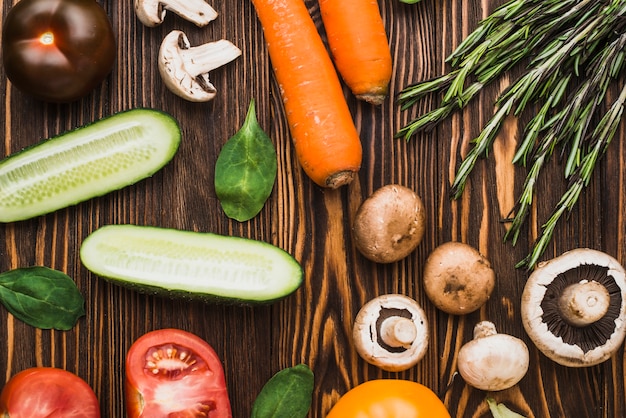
pixel 571 45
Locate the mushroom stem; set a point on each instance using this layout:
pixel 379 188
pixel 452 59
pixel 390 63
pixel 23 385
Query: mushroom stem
pixel 484 329
pixel 584 303
pixel 204 58
pixel 398 331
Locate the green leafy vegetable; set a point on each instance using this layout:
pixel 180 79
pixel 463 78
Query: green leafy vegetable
pixel 500 410
pixel 571 52
pixel 42 297
pixel 245 170
pixel 287 394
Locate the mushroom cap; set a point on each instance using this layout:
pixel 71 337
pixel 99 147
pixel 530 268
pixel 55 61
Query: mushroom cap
pixel 409 340
pixel 493 361
pixel 457 278
pixel 389 224
pixel 546 324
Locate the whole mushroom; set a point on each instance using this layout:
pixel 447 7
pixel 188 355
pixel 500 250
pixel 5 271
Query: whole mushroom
pixel 493 361
pixel 457 278
pixel 389 224
pixel 573 307
pixel 391 332
pixel 185 69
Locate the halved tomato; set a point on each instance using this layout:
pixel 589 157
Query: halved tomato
pixel 48 392
pixel 174 373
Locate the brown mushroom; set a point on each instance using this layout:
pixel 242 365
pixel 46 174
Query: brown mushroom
pixel 389 224
pixel 573 307
pixel 391 332
pixel 493 361
pixel 457 278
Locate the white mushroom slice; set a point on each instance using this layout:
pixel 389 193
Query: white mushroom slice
pixel 152 12
pixel 391 332
pixel 185 70
pixel 493 361
pixel 573 307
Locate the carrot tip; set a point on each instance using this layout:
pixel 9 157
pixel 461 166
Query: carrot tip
pixel 372 98
pixel 339 179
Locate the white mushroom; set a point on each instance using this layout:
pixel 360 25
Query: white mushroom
pixel 152 12
pixel 391 332
pixel 493 361
pixel 573 307
pixel 185 70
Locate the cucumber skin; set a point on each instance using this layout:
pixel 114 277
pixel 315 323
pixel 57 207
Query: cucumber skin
pixel 181 293
pixel 50 207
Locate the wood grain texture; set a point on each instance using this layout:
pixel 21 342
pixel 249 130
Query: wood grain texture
pixel 314 325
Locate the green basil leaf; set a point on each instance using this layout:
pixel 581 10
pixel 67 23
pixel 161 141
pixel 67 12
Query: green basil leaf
pixel 42 297
pixel 245 170
pixel 288 394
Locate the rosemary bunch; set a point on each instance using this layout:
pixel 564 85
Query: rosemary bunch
pixel 566 45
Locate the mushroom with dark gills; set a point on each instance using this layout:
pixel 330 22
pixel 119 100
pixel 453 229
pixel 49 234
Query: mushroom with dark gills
pixel 391 332
pixel 573 307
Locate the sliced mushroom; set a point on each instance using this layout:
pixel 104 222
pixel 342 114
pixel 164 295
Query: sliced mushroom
pixel 573 307
pixel 185 70
pixel 391 332
pixel 493 361
pixel 152 12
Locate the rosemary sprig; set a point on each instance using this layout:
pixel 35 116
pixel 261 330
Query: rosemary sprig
pixel 558 38
pixel 500 42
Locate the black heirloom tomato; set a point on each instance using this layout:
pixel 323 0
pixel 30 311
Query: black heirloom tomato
pixel 57 50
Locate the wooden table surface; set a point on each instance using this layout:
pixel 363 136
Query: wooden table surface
pixel 314 325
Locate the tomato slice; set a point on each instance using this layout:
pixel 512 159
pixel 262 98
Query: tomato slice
pixel 174 373
pixel 48 392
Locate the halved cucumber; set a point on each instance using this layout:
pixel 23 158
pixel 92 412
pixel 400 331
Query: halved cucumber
pixel 197 265
pixel 86 162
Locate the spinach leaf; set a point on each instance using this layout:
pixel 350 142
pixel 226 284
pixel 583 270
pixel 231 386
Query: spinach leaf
pixel 287 394
pixel 245 170
pixel 42 297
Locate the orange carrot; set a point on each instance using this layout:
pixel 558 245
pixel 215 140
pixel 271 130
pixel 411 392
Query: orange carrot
pixel 359 46
pixel 325 138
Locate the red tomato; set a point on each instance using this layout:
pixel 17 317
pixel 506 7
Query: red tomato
pixel 47 392
pixel 389 398
pixel 57 50
pixel 173 373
